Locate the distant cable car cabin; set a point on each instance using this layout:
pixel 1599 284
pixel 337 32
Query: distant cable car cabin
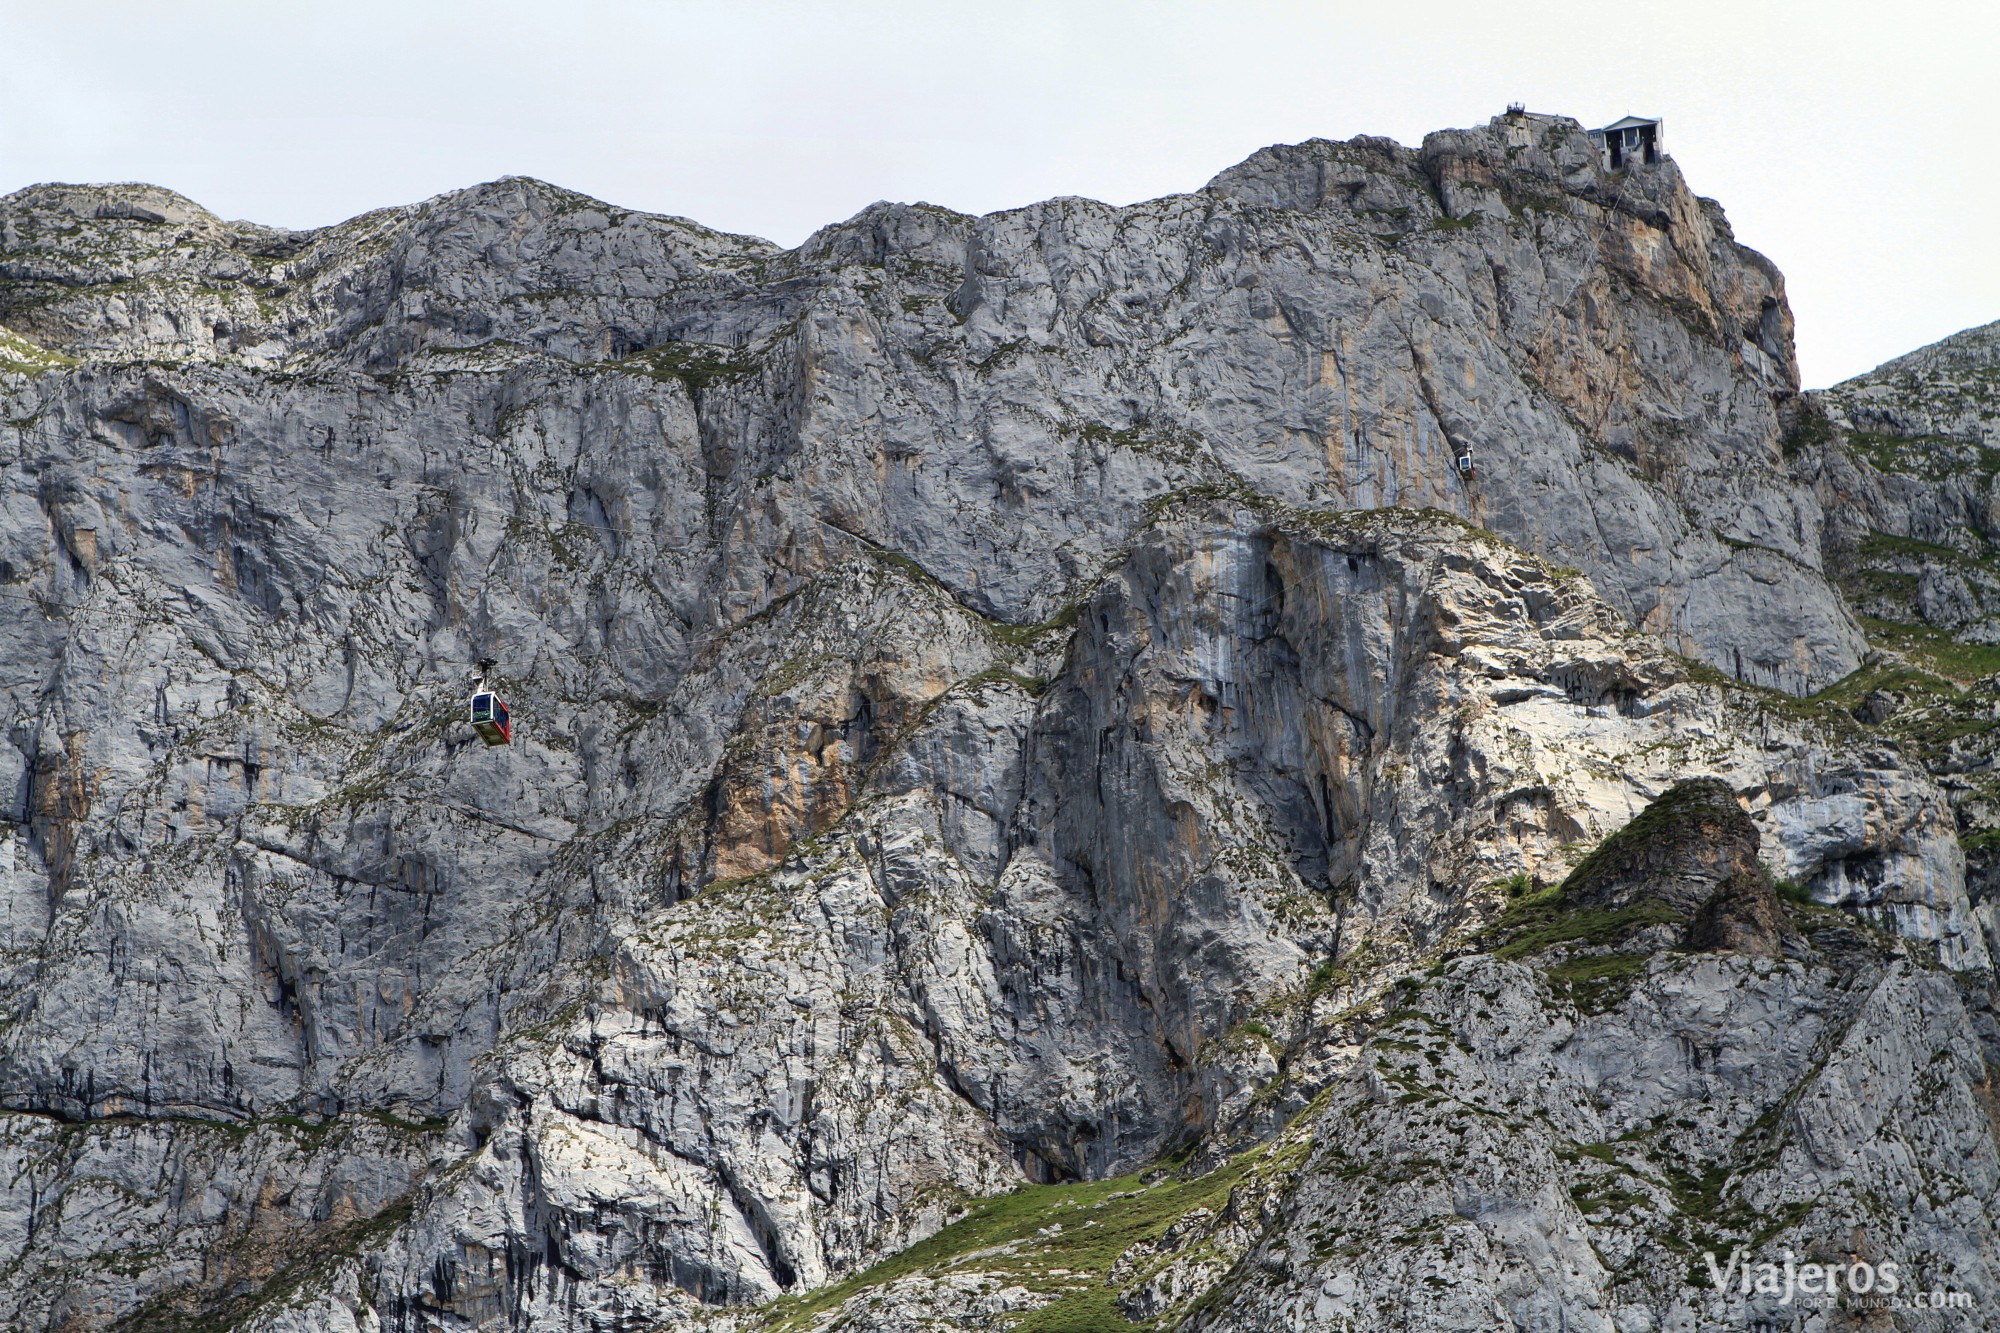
pixel 1465 465
pixel 489 717
pixel 1633 139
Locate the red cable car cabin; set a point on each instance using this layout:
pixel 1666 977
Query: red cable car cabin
pixel 489 718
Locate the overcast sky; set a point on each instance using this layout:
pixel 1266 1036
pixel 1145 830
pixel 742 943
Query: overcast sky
pixel 1848 141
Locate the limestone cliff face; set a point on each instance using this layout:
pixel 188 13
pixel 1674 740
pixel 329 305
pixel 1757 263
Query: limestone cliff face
pixel 998 700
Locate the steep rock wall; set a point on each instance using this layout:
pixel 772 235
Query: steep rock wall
pixel 972 675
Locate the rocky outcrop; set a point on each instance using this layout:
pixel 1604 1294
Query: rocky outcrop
pixel 1001 703
pixel 1902 461
pixel 1693 851
pixel 1679 851
pixel 1741 916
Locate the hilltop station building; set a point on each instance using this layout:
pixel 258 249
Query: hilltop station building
pixel 1633 139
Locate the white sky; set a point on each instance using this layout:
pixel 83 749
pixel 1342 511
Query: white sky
pixel 1849 141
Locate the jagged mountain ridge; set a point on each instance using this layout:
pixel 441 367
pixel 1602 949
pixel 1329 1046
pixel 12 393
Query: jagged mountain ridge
pixel 499 265
pixel 966 737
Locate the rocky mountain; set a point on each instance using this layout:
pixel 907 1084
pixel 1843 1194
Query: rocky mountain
pixel 1344 750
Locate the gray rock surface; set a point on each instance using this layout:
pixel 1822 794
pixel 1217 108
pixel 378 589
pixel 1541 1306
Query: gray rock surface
pixel 1027 700
pixel 1903 461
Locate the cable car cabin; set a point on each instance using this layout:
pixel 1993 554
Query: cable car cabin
pixel 489 718
pixel 1465 465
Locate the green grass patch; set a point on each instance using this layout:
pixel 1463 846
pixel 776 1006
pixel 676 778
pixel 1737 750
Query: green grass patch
pixel 1029 685
pixel 1811 709
pixel 1884 546
pixel 19 356
pixel 1809 430
pixel 1022 636
pixel 1096 432
pixel 1697 1194
pixel 1546 921
pixel 1933 729
pixel 1602 1194
pixel 1934 650
pixel 1932 457
pixel 1606 1153
pixel 1597 983
pixel 1936 712
pixel 1088 1226
pixel 1851 690
pixel 1793 892
pixel 1335 975
pixel 1982 842
pixel 697 366
pixel 1880 585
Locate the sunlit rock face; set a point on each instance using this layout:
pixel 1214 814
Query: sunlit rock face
pixel 998 702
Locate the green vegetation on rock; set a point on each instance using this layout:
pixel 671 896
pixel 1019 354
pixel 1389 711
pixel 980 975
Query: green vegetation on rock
pixel 19 356
pixel 697 366
pixel 1058 1240
pixel 1546 921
